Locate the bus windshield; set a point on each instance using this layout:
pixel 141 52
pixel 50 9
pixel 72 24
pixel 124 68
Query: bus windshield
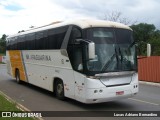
pixel 115 50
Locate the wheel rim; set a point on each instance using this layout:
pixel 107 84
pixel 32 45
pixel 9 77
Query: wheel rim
pixel 59 89
pixel 17 77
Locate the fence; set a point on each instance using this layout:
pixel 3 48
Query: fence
pixel 149 69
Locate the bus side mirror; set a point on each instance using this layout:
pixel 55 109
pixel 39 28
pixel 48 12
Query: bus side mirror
pixel 91 51
pixel 148 50
pixel 91 48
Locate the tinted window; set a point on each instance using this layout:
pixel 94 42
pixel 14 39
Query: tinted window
pixel 40 43
pixel 45 39
pixel 75 34
pixel 110 35
pixel 14 43
pixel 21 42
pixel 30 41
pixel 102 35
pixel 48 39
pixel 123 36
pixel 75 51
pixel 51 39
pixel 8 43
pixel 56 37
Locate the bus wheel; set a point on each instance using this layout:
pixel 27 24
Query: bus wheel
pixel 59 89
pixel 18 77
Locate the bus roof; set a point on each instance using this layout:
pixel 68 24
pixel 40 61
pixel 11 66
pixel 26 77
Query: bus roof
pixel 82 23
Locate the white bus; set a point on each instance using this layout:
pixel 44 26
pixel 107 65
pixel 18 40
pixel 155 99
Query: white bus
pixel 91 61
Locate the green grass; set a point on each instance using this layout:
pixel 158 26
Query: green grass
pixel 2 54
pixel 5 105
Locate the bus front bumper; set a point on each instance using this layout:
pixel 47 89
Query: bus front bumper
pixel 110 93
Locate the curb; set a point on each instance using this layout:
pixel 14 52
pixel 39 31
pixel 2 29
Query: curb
pixel 150 83
pixel 18 105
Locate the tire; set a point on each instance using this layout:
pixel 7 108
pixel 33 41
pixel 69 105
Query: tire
pixel 18 77
pixel 59 89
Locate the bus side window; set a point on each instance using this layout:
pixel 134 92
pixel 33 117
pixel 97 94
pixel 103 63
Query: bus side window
pixel 75 34
pixel 20 42
pixel 45 39
pixel 51 39
pixel 30 41
pixel 14 43
pixel 74 50
pixel 60 36
pixel 10 44
pixel 56 37
pixel 39 41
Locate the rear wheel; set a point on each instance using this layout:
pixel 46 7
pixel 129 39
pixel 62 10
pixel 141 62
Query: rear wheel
pixel 59 89
pixel 17 74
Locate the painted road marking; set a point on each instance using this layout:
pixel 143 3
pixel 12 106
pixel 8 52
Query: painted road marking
pixel 18 105
pixel 143 101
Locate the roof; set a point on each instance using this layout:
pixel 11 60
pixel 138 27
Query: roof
pixel 86 23
pixel 82 23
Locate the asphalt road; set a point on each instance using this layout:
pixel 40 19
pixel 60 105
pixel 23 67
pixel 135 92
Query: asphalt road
pixel 37 99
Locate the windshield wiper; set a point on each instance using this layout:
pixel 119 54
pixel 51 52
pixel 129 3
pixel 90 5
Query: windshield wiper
pixel 121 55
pixel 108 63
pixel 133 43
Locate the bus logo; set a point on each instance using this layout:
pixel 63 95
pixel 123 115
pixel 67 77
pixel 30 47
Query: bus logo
pixel 39 57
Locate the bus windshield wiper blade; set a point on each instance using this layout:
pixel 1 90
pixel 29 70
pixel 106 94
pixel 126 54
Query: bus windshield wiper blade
pixel 108 63
pixel 133 43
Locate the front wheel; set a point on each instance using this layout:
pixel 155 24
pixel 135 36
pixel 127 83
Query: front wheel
pixel 59 89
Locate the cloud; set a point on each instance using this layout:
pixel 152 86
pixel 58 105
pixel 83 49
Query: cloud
pixel 16 15
pixel 31 12
pixel 140 10
pixel 34 13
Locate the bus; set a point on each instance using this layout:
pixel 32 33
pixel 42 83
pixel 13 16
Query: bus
pixel 91 61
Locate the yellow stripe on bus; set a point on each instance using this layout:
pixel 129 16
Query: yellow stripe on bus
pixel 17 63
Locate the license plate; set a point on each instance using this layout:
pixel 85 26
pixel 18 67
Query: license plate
pixel 120 93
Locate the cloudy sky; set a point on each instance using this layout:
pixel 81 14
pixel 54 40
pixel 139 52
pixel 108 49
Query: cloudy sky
pixel 16 15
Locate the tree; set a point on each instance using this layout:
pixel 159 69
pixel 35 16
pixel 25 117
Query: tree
pixel 3 44
pixel 155 42
pixel 116 16
pixel 146 33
